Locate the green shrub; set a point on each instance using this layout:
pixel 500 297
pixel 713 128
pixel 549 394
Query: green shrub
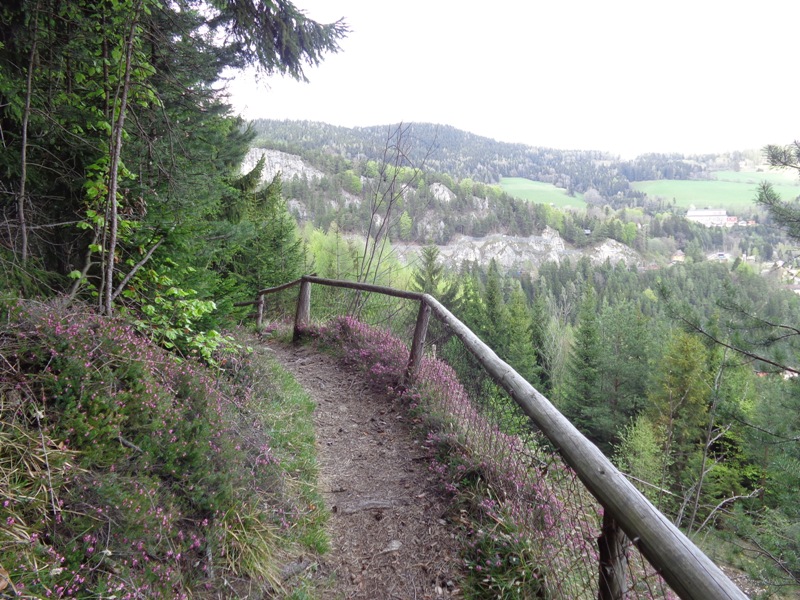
pixel 129 472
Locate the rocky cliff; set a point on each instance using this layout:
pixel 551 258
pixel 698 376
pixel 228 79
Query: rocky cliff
pixel 276 161
pixel 522 254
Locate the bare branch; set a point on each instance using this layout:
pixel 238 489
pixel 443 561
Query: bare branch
pixel 135 268
pixel 724 503
pixel 698 329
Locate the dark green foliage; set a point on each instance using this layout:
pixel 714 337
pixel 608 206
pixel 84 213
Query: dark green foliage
pixel 538 333
pixel 627 347
pixel 275 36
pixel 785 212
pixel 146 457
pixel 494 328
pixel 678 405
pixel 121 130
pixel 265 250
pixel 771 519
pixel 583 399
pixel 429 277
pixel 522 354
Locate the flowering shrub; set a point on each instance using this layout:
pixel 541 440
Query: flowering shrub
pixel 499 561
pixel 124 471
pixel 376 351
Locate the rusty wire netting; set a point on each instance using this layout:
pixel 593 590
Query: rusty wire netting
pixel 540 493
pixel 531 485
pixel 396 315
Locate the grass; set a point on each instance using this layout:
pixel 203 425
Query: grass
pixel 787 177
pixel 290 417
pixel 731 190
pixel 126 472
pixel 544 193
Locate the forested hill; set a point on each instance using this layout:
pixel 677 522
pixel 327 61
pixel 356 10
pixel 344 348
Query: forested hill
pixel 463 155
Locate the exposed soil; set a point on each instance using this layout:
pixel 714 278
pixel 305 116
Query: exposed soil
pixel 389 534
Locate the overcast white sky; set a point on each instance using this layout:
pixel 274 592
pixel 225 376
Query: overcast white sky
pixel 626 76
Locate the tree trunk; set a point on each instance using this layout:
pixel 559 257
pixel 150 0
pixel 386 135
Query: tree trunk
pixel 613 560
pixel 303 314
pixel 23 177
pixel 113 174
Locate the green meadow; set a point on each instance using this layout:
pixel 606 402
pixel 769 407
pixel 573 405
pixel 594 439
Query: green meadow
pixel 536 191
pixel 731 189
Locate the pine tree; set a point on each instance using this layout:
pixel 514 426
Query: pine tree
pixel 538 339
pixel 495 323
pixel 272 252
pixel 624 363
pixel 429 277
pixel 141 151
pixel 428 274
pixel 678 401
pixel 522 354
pixel 584 403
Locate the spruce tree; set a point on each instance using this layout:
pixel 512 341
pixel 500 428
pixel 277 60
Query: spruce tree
pixel 522 354
pixel 583 401
pixel 538 335
pixel 140 152
pixel 429 277
pixel 495 324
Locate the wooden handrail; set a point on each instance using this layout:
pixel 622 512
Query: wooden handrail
pixel 265 291
pixel 278 288
pixel 687 570
pixel 365 287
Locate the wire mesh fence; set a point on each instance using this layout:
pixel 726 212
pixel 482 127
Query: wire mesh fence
pixel 542 496
pixel 528 483
pixel 397 315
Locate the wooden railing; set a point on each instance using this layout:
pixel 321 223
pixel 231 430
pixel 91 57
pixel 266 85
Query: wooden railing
pixel 685 568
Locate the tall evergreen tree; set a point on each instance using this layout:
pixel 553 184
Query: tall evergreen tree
pixel 429 277
pixel 678 401
pixel 624 367
pixel 271 252
pixel 521 353
pixel 113 118
pixel 538 340
pixel 583 399
pixel 495 324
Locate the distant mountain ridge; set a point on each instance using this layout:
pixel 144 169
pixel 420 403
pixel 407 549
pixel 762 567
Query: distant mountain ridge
pixel 463 155
pixel 513 253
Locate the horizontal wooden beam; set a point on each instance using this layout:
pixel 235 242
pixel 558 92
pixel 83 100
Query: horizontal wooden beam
pixel 278 288
pixel 365 287
pixel 249 303
pixel 687 570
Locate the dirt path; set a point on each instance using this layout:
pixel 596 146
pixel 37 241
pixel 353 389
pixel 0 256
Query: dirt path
pixel 388 529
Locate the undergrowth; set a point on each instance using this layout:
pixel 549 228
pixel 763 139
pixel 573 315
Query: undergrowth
pixel 126 472
pixel 500 557
pixel 529 526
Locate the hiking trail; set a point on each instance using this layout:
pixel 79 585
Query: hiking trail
pixel 390 528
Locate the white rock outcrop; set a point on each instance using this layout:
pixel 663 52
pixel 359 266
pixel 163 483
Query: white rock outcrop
pixel 276 161
pixel 522 254
pixel 442 193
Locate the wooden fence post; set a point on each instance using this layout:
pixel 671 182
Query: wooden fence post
pixel 303 314
pixel 260 311
pixel 613 578
pixel 418 344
